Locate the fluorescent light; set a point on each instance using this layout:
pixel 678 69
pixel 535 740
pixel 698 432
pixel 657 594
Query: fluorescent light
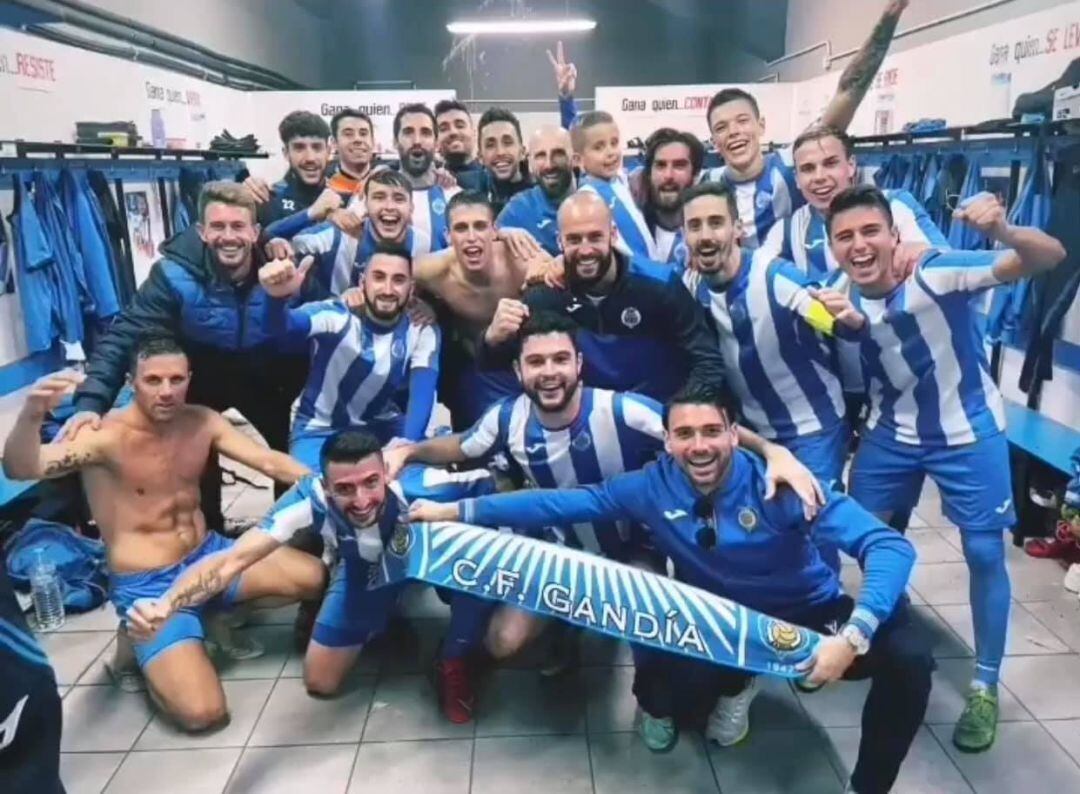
pixel 496 26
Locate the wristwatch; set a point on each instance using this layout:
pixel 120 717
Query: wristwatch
pixel 855 638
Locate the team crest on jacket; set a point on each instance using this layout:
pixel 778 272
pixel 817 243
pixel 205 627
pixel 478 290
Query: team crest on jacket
pixel 748 519
pixel 401 541
pixel 438 206
pixel 631 317
pixel 397 350
pixel 782 637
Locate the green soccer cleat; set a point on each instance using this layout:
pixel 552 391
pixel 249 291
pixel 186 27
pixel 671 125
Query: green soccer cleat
pixel 659 733
pixel 977 726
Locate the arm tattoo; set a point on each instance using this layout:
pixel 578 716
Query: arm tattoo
pixel 71 461
pixel 202 589
pixel 860 72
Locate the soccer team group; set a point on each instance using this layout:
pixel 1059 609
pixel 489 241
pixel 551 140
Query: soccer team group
pixel 668 369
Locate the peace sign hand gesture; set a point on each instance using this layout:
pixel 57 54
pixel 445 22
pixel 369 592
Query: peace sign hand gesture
pixel 565 73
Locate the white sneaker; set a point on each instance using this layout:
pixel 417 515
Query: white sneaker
pixel 729 722
pixel 1072 578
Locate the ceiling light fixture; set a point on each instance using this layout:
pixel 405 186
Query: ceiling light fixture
pixel 520 26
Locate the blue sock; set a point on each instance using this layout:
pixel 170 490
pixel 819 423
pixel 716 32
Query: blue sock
pixel 469 618
pixel 990 598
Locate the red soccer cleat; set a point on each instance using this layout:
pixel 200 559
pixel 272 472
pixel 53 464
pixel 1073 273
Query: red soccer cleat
pixel 456 698
pixel 1062 546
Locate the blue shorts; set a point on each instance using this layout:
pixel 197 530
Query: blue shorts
pixel 824 453
pixel 184 626
pixel 305 445
pixel 974 480
pixel 351 614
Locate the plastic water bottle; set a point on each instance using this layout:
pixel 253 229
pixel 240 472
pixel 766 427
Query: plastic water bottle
pixel 47 594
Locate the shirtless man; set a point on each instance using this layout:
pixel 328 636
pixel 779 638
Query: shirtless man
pixel 141 473
pixel 468 280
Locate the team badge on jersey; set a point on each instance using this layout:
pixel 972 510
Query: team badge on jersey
pixel 582 442
pixel 631 317
pixel 748 519
pixel 763 199
pixel 780 636
pixel 438 206
pixel 397 350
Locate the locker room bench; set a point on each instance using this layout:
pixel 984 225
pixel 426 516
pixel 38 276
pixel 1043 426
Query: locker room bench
pixel 1041 439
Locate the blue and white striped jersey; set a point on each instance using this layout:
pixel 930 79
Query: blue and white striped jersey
pixel 429 213
pixel 670 246
pixel 766 200
pixel 340 258
pixel 634 238
pixel 780 368
pixel 306 505
pixel 923 355
pixel 613 433
pixel 359 369
pixel 803 239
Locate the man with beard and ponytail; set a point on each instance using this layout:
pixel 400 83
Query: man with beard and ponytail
pixel 386 221
pixel 640 330
pixel 536 210
pixel 673 160
pixel 364 361
pixel 562 434
pixel 414 139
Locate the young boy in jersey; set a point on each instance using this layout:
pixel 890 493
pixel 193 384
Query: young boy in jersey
pixel 598 153
pixel 764 182
pixel 934 409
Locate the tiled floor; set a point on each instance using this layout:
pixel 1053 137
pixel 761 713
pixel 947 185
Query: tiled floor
pixel 575 735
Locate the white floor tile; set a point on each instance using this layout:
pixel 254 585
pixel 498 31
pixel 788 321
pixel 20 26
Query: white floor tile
pixel 1046 685
pixel 611 703
pixel 71 653
pixel 926 770
pixel 777 761
pixel 103 719
pixel 1024 758
pixel 292 716
pixel 88 773
pixel 1061 616
pixel 286 770
pixel 432 767
pixel 175 772
pixel 622 764
pixel 532 765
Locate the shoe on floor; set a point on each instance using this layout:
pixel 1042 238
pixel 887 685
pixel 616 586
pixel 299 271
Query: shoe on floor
pixel 1072 578
pixel 659 733
pixel 454 687
pixel 977 726
pixel 729 722
pixel 563 653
